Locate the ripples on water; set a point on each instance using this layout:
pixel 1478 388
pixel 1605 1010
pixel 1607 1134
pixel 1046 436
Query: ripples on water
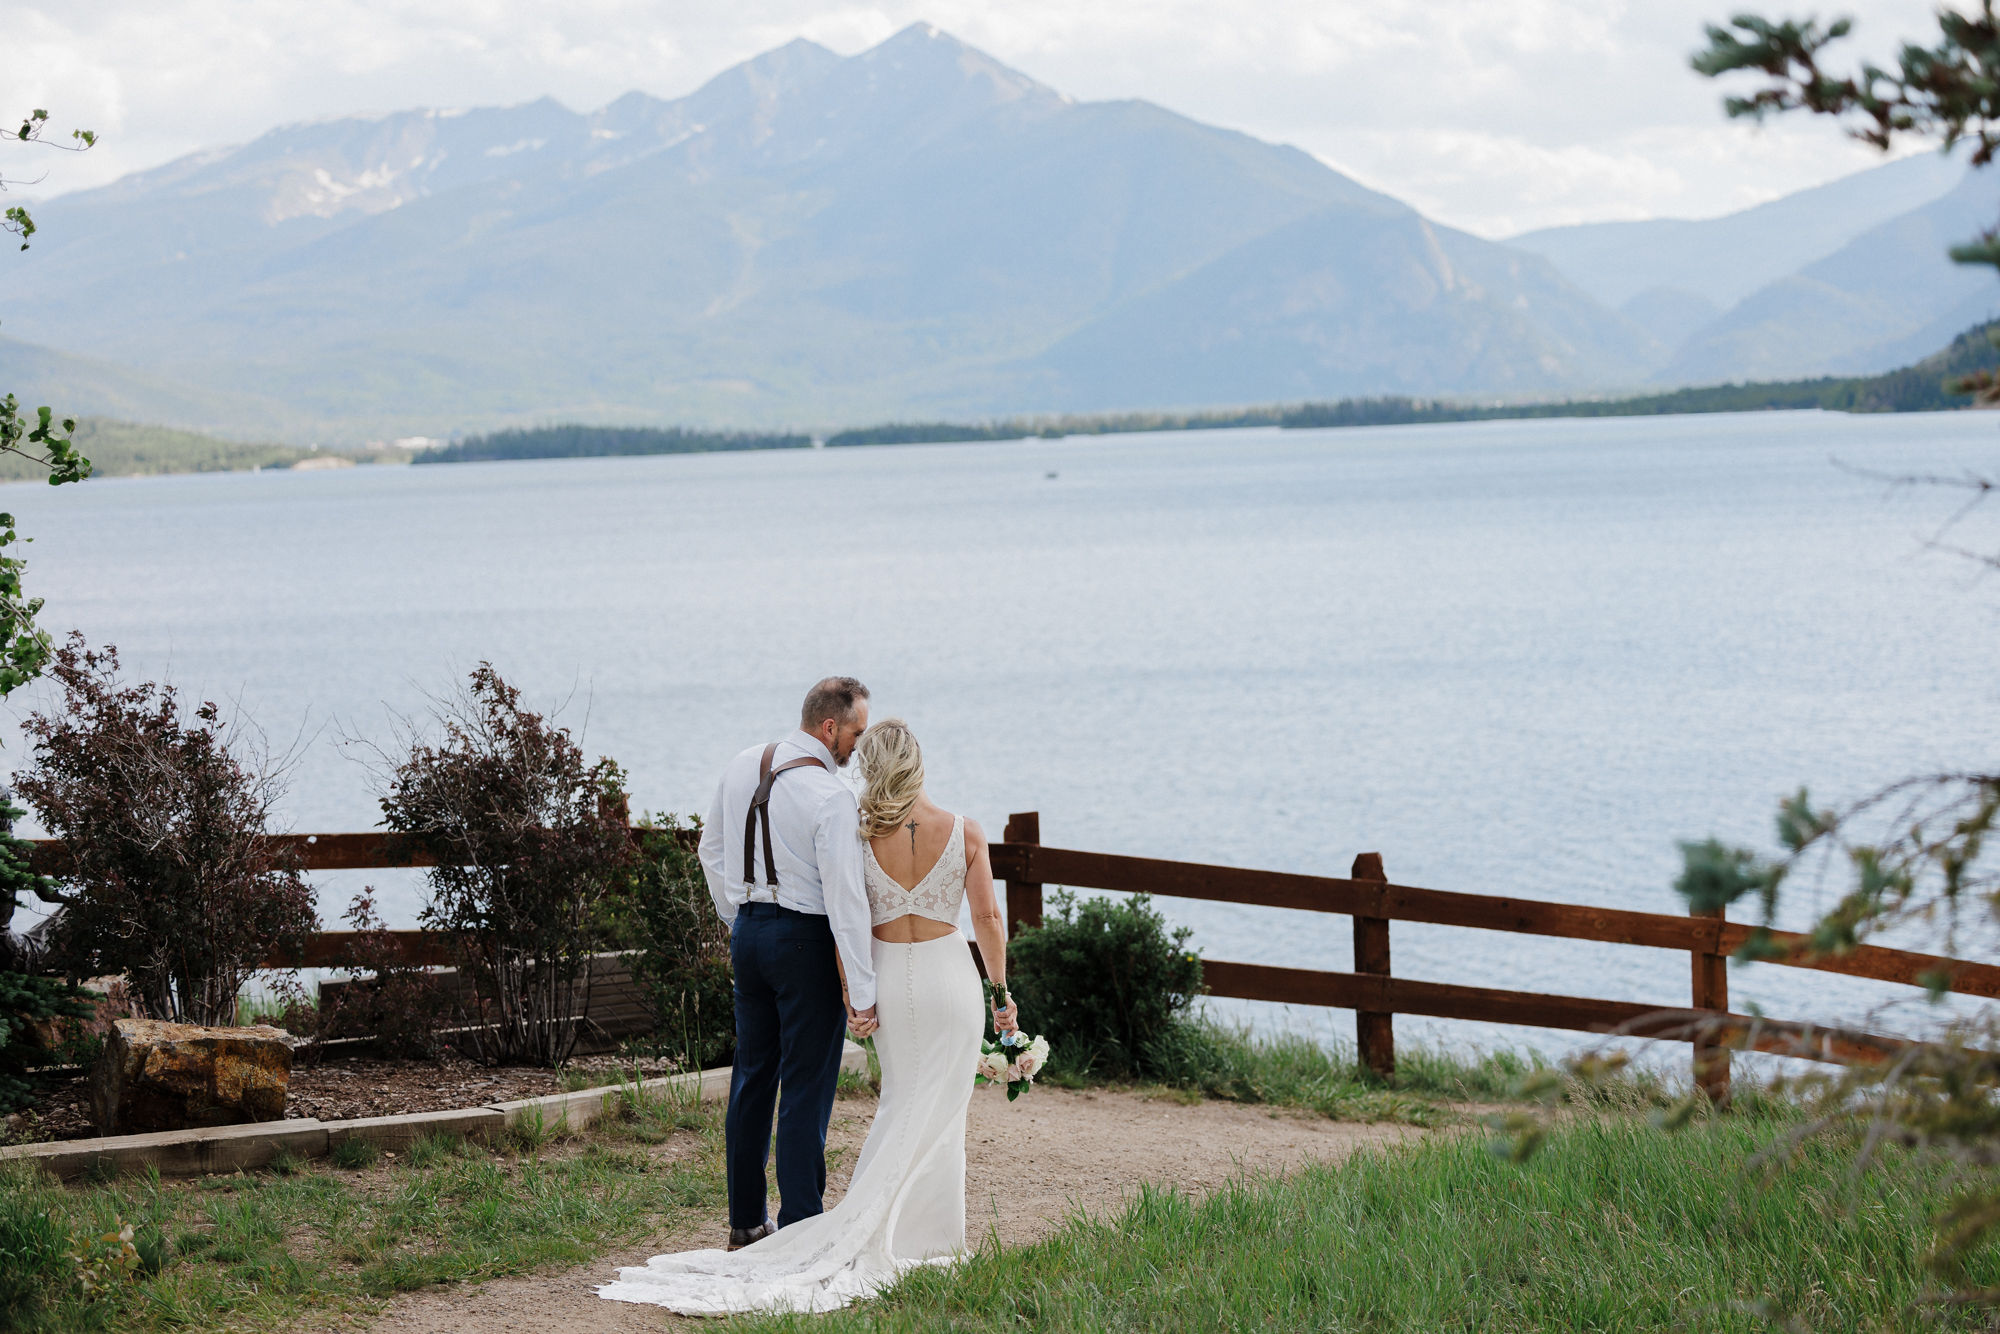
pixel 1513 657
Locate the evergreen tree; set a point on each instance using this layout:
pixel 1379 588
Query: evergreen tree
pixel 1948 92
pixel 25 997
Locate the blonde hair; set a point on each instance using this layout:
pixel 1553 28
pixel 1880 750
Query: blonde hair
pixel 892 766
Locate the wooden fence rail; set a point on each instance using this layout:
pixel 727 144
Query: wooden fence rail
pixel 1372 991
pixel 1375 994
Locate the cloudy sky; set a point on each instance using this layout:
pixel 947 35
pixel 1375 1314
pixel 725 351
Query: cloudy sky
pixel 1494 115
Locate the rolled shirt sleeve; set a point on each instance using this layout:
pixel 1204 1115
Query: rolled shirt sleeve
pixel 837 843
pixel 712 867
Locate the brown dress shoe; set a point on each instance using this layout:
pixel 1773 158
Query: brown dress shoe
pixel 739 1237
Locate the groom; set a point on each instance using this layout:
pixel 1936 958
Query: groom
pixel 782 853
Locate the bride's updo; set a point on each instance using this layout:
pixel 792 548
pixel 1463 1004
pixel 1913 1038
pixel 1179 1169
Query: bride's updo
pixel 892 766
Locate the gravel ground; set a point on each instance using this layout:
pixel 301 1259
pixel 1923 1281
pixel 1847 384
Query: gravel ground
pixel 1085 1151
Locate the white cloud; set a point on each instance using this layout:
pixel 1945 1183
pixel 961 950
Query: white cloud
pixel 1494 115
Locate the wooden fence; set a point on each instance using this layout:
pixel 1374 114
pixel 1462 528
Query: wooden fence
pixel 1375 994
pixel 614 1006
pixel 1372 990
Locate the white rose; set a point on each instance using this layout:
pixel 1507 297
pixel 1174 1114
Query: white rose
pixel 992 1065
pixel 1039 1049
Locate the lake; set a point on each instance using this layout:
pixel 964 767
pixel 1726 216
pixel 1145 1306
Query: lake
pixel 1512 657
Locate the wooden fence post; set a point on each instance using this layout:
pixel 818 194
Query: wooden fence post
pixel 1024 898
pixel 1711 992
pixel 1374 1033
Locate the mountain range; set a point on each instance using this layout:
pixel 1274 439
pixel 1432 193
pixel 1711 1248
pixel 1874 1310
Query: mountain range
pixel 916 230
pixel 1848 278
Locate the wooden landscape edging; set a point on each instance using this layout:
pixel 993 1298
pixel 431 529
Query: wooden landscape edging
pixel 208 1150
pixel 256 1144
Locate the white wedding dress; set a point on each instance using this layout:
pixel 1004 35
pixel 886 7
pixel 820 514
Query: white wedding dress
pixel 905 1205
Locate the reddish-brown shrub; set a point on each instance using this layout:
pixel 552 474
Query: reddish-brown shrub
pixel 407 1009
pixel 172 880
pixel 529 842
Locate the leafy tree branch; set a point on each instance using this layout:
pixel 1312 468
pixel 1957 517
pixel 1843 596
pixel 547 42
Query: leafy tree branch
pixel 25 648
pixel 34 127
pixel 1947 92
pixel 42 439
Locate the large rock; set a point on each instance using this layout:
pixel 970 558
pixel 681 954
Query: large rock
pixel 160 1076
pixel 109 999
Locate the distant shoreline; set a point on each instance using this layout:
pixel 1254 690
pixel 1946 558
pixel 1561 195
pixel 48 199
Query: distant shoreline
pixel 128 449
pixel 1921 387
pixel 122 449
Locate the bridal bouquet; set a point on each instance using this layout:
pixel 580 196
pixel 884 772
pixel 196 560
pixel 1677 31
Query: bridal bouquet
pixel 1014 1060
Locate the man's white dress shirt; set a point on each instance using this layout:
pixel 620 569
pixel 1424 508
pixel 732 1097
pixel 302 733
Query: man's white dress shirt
pixel 816 840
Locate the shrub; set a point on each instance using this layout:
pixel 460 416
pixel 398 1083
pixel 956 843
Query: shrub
pixel 1106 982
pixel 404 1007
pixel 682 958
pixel 529 842
pixel 1191 1054
pixel 172 880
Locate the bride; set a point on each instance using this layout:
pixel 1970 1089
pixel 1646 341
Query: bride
pixel 906 1203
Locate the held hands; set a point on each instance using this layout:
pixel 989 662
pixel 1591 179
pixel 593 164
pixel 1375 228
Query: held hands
pixel 860 1023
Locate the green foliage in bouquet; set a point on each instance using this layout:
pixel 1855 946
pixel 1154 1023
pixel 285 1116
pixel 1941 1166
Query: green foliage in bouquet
pixel 1014 1060
pixel 1106 982
pixel 683 959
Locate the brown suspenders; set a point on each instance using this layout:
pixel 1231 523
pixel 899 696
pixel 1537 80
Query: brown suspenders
pixel 760 809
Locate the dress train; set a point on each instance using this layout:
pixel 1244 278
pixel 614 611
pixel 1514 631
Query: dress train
pixel 905 1205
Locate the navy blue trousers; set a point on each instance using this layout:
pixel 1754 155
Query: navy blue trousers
pixel 789 1025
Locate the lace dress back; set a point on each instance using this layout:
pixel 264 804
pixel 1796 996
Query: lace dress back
pixel 937 896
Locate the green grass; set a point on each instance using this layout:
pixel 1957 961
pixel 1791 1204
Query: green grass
pixel 1612 1226
pixel 865 1083
pixel 265 1250
pixel 575 1079
pixel 263 1010
pixel 1429 1088
pixel 355 1155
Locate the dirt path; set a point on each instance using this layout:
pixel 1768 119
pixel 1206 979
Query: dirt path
pixel 1090 1150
